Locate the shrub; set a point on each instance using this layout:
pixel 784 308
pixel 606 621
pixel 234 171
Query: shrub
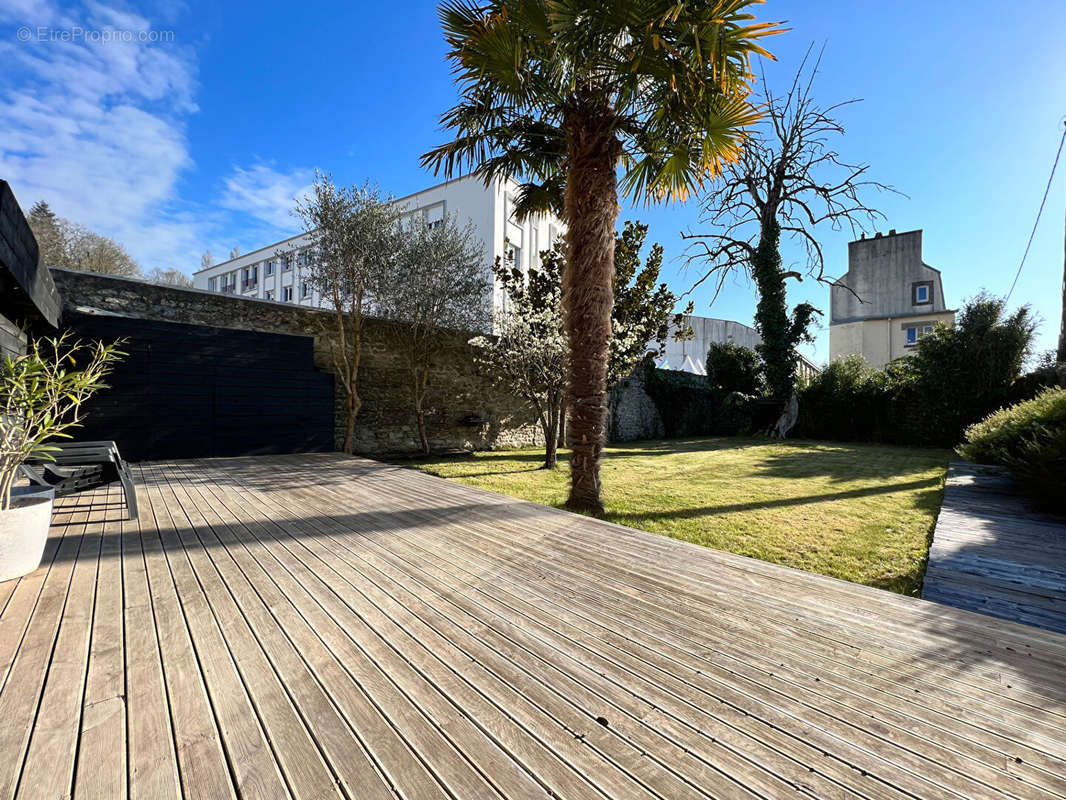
pixel 1029 439
pixel 734 368
pixel 848 400
pixel 1048 372
pixel 959 375
pixel 955 378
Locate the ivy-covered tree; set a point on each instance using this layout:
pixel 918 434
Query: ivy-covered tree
pixel 789 181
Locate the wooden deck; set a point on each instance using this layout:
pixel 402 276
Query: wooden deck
pixel 992 552
pixel 326 627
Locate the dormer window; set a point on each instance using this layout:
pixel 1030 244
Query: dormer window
pixel 922 293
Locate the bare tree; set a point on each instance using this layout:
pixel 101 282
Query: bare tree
pixel 63 243
pixel 788 181
pixel 170 277
pixel 234 253
pixel 354 239
pixel 207 260
pixel 440 285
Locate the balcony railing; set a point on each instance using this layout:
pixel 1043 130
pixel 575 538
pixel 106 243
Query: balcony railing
pixel 249 285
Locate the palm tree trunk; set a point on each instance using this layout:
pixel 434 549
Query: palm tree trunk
pixel 591 210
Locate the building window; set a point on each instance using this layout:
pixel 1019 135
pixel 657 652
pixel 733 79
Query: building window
pixel 305 290
pixel 268 269
pixel 286 263
pixel 269 294
pixel 915 332
pixel 514 255
pixel 212 284
pixel 922 293
pixel 286 294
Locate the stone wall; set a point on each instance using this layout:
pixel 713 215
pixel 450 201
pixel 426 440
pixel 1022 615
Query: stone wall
pixel 632 412
pixel 386 424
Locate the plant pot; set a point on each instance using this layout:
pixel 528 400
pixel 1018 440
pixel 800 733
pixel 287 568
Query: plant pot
pixel 24 531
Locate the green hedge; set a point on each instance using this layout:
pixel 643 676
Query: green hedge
pixel 1030 440
pixel 955 377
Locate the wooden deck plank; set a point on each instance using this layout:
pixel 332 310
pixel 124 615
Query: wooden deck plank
pixel 346 690
pixel 21 695
pixel 994 554
pixel 671 788
pixel 50 758
pixel 492 719
pixel 449 766
pixel 151 752
pixel 552 624
pixel 299 758
pixel 102 765
pixel 438 528
pixel 589 696
pixel 321 626
pixel 708 599
pixel 911 626
pixel 247 755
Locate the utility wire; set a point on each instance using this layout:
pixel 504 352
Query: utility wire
pixel 1040 211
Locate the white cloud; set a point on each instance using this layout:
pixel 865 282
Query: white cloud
pixel 97 128
pixel 266 194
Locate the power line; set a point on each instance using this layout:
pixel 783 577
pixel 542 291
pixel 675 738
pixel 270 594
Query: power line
pixel 1040 211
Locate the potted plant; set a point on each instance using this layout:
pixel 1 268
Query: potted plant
pixel 42 395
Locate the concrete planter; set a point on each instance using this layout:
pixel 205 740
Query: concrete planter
pixel 24 531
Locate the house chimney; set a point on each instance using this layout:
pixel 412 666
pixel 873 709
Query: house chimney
pixel 877 235
pixel 892 232
pixel 863 235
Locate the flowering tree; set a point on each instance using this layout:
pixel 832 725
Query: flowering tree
pixel 527 356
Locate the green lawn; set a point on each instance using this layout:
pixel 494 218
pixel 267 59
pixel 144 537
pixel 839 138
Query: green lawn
pixel 860 512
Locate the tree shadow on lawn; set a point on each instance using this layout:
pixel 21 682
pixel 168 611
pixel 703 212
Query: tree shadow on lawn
pixel 928 500
pixel 842 461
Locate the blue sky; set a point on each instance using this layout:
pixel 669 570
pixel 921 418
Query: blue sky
pixel 199 140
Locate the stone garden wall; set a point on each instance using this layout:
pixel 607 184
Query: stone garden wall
pixel 464 410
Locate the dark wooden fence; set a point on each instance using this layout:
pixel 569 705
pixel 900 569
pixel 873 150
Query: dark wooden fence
pixel 196 391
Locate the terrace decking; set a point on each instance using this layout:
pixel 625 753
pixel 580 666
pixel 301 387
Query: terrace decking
pixel 993 552
pixel 323 627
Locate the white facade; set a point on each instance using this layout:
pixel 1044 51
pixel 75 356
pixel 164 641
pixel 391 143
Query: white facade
pixel 276 272
pixel 691 355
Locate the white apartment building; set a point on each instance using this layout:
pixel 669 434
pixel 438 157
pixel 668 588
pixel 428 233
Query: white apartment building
pixel 278 271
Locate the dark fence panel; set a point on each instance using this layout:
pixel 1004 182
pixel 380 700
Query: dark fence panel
pixel 189 391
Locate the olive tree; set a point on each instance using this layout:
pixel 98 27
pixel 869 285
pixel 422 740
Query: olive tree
pixel 354 246
pixel 439 285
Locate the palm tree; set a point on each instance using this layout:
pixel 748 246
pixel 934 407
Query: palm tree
pixel 566 94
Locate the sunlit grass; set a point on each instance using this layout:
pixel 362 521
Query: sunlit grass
pixel 860 512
